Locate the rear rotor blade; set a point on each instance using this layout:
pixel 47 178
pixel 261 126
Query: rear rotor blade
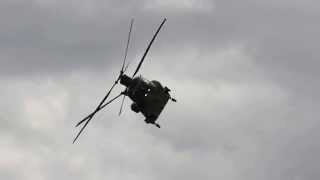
pixel 101 107
pixel 97 109
pixel 145 53
pixel 127 46
pixel 92 114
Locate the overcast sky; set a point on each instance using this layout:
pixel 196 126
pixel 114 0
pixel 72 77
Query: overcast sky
pixel 245 74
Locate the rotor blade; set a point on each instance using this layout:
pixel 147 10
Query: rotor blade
pixel 127 47
pixel 122 70
pixel 92 114
pixel 125 69
pixel 122 105
pixel 145 53
pixel 97 109
pixel 101 107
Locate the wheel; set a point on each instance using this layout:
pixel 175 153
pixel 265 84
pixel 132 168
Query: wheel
pixel 135 107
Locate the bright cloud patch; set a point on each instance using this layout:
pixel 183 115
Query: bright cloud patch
pixel 182 5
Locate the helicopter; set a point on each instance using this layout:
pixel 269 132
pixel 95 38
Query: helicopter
pixel 149 97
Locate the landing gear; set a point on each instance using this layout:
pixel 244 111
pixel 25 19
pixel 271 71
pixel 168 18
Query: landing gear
pixel 135 107
pixel 167 90
pixel 173 99
pixel 151 120
pixel 156 124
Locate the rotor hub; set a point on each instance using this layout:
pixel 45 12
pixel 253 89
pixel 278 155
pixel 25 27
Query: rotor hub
pixel 126 80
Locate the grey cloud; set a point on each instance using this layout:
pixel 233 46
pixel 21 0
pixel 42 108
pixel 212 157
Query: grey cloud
pixel 244 73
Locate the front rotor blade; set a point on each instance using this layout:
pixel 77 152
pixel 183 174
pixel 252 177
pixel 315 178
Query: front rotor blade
pixel 92 114
pixel 123 68
pixel 145 53
pixel 127 46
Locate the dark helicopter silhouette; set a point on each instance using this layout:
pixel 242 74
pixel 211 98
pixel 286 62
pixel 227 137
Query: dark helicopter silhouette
pixel 149 97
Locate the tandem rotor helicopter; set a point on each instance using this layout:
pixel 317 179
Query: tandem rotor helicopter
pixel 149 97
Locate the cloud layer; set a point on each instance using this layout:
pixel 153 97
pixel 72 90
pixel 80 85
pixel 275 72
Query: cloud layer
pixel 244 73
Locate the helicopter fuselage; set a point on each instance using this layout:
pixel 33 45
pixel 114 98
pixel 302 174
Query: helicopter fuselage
pixel 149 97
